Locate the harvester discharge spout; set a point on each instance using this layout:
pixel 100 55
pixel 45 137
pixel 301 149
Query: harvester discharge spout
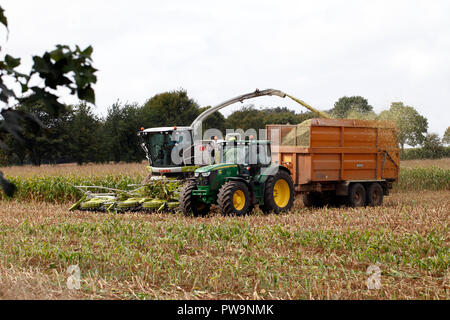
pixel 307 106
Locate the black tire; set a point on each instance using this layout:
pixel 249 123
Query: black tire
pixel 313 199
pixel 356 195
pixel 228 197
pixel 192 205
pixel 374 194
pixel 270 204
pixel 321 199
pixel 336 201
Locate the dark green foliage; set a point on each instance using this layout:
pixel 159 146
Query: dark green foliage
pixel 172 108
pixel 345 105
pixel 412 127
pixel 246 118
pixel 84 143
pixel 3 19
pixel 278 115
pixel 40 141
pixel 250 117
pixel 446 137
pixel 421 153
pixel 120 132
pixel 432 148
pixel 283 115
pixel 63 67
pixel 214 121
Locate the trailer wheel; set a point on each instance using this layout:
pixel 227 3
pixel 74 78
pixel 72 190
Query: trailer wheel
pixel 356 195
pixel 278 193
pixel 374 194
pixel 190 204
pixel 234 198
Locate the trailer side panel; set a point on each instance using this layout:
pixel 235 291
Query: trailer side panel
pixel 338 150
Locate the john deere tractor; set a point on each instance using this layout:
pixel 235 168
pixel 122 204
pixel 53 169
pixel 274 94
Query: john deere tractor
pixel 242 177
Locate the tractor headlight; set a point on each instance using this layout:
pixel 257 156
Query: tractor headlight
pixel 196 174
pixel 206 174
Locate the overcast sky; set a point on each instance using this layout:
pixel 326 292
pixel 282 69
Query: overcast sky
pixel 318 51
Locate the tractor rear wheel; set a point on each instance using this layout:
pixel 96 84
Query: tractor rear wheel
pixel 374 194
pixel 356 195
pixel 234 198
pixel 278 193
pixel 190 204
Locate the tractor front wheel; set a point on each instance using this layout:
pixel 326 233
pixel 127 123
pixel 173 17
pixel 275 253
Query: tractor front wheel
pixel 278 193
pixel 190 204
pixel 234 198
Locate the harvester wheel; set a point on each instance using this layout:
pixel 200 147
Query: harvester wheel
pixel 278 193
pixel 190 204
pixel 356 195
pixel 234 198
pixel 374 194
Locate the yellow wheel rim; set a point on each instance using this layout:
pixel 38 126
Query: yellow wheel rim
pixel 238 199
pixel 281 193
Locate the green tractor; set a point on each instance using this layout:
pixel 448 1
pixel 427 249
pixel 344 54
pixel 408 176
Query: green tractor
pixel 243 176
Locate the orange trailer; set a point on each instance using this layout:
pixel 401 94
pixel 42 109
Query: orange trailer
pixel 335 160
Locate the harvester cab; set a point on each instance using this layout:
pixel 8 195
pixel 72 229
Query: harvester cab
pixel 243 177
pixel 168 150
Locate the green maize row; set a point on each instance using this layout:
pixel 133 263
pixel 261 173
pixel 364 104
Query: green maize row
pixel 60 189
pixel 416 179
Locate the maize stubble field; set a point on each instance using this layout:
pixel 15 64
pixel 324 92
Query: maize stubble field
pixel 303 254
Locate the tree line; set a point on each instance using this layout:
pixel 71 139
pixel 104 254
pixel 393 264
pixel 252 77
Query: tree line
pixel 78 135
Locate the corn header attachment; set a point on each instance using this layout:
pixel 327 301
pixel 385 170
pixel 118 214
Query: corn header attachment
pixel 155 196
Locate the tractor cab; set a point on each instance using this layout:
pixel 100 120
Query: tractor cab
pixel 249 156
pixel 247 152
